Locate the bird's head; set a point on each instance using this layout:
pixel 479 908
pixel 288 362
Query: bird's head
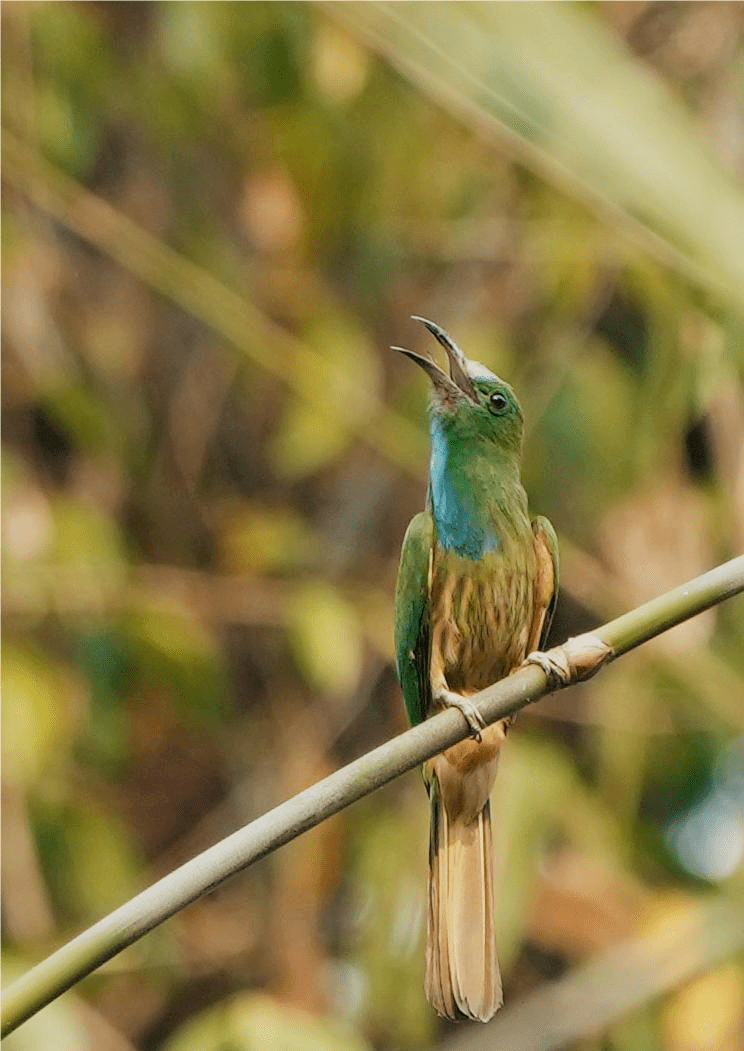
pixel 471 402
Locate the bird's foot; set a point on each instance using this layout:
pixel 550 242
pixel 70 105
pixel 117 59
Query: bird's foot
pixel 472 716
pixel 557 671
pixel 577 659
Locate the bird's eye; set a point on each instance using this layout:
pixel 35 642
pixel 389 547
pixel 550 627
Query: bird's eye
pixel 497 404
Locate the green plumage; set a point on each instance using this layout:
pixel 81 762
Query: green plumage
pixel 411 624
pixel 476 592
pixel 412 609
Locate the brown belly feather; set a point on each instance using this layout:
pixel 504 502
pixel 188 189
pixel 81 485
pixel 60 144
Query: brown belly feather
pixel 480 623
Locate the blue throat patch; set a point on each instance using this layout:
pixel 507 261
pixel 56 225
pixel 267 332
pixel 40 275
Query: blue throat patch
pixel 459 524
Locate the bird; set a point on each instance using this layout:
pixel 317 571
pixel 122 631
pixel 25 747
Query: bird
pixel 475 594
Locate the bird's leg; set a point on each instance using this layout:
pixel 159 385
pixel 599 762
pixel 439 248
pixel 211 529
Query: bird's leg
pixel 448 699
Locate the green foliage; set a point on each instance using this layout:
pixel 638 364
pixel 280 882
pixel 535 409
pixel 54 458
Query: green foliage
pixel 217 217
pixel 89 860
pixel 324 634
pixel 247 1023
pixel 173 649
pixel 385 873
pixel 39 712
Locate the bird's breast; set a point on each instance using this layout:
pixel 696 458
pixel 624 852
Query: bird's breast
pixel 481 615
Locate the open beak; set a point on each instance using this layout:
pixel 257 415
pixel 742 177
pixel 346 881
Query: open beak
pixel 442 383
pixel 458 363
pixel 458 382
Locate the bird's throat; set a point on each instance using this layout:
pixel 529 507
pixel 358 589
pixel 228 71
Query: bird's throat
pixel 473 493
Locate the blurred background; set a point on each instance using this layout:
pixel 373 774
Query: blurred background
pixel 217 217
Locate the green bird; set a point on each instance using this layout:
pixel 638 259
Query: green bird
pixel 476 591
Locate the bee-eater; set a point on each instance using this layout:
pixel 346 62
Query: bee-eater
pixel 476 591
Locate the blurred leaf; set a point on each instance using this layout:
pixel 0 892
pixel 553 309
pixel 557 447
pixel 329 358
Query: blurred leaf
pixel 273 68
pixel 71 142
pixel 87 853
pixel 587 420
pixel 189 42
pixel 305 440
pixel 71 45
pixel 324 633
pixel 389 881
pixel 347 383
pixel 103 659
pixel 705 1014
pixel 42 704
pixel 340 66
pixel 257 1023
pixel 84 416
pixel 87 540
pixel 611 132
pixel 172 648
pixel 637 1033
pixel 263 539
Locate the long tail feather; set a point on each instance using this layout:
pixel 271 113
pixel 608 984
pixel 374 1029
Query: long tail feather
pixel 462 971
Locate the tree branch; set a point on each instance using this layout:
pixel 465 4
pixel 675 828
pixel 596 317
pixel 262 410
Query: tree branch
pixel 73 961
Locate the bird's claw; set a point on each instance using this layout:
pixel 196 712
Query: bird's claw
pixel 557 672
pixel 465 706
pixel 577 659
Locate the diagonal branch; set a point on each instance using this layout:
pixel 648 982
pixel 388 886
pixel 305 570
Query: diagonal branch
pixel 44 982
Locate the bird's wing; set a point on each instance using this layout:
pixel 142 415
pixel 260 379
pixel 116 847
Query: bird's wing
pixel 412 638
pixel 546 582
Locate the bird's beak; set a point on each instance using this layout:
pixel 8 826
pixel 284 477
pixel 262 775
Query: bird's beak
pixel 450 388
pixel 458 363
pixel 443 385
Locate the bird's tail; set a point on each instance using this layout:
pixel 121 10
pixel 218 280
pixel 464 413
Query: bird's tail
pixel 462 971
